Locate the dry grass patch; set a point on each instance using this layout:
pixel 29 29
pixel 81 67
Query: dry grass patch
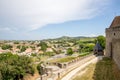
pixel 87 75
pixel 105 69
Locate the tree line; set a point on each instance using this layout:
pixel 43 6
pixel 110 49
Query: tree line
pixel 14 67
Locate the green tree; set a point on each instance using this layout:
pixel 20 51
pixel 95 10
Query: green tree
pixel 88 47
pixel 4 47
pixel 49 53
pixel 23 48
pixel 43 46
pixel 18 46
pixel 1 78
pixel 69 51
pixel 91 47
pixel 33 54
pixel 14 67
pixel 40 69
pixel 33 47
pixel 16 42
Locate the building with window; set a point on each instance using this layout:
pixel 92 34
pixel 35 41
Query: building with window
pixel 113 40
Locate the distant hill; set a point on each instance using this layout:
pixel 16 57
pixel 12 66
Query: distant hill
pixel 68 38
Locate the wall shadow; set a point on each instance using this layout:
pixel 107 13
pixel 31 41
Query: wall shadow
pixel 106 69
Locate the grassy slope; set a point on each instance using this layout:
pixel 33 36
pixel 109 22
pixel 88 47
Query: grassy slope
pixel 87 39
pixel 103 70
pixel 69 58
pixel 62 60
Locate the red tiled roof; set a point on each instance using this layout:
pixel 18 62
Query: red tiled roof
pixel 116 22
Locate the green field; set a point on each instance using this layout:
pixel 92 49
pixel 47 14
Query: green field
pixel 62 60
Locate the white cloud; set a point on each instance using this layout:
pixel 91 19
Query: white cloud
pixel 92 35
pixel 6 29
pixel 27 15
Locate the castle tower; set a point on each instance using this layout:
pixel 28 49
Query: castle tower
pixel 98 49
pixel 112 35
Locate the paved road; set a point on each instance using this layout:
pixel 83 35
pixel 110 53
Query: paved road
pixel 73 72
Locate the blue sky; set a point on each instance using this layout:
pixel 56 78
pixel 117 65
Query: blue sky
pixel 42 19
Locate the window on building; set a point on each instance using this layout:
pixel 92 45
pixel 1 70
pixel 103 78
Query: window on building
pixel 114 34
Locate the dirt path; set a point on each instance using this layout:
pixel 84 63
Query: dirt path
pixel 80 67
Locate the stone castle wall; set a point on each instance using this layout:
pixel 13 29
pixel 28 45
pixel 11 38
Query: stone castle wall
pixel 116 51
pixel 66 67
pixel 111 33
pixel 108 41
pixel 113 44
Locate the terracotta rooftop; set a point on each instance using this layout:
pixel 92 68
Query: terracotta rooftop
pixel 116 22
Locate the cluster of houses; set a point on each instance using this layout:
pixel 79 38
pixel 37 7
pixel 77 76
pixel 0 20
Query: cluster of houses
pixel 32 48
